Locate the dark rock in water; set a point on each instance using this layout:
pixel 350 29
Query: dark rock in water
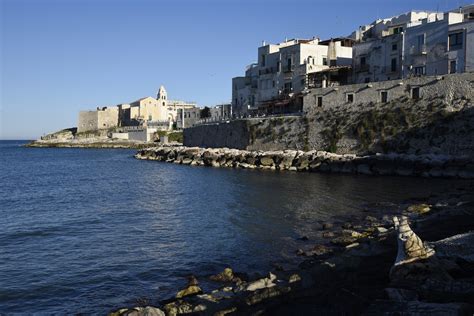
pixel 190 290
pixel 343 240
pixel 347 225
pixel 225 276
pixel 400 295
pixel 192 280
pixel 328 235
pixel 318 250
pixel 265 293
pixel 327 226
pixel 418 308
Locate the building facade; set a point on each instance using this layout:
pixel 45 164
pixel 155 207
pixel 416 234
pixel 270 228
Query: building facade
pixel 156 112
pixel 413 44
pixel 282 70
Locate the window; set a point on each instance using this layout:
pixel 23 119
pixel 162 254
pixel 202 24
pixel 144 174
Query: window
pixel 421 70
pixel 149 117
pixel 415 93
pixel 452 66
pixel 384 96
pixel 325 60
pixel 456 41
pixel 320 101
pixel 278 66
pixel 350 97
pixel 363 61
pixel 288 87
pixel 394 46
pixel 394 65
pixel 288 64
pixel 397 30
pixel 263 60
pixel 420 40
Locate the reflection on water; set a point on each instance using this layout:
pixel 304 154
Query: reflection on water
pixel 94 229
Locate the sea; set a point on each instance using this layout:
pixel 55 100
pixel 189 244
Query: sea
pixel 92 230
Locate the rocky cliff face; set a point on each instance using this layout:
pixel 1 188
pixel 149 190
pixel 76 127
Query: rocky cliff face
pixel 441 121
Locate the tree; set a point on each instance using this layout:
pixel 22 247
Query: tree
pixel 205 112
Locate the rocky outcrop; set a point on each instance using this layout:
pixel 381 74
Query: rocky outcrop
pixel 410 246
pixel 315 161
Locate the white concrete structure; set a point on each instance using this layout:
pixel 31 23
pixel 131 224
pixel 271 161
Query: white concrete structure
pixel 282 70
pixel 413 44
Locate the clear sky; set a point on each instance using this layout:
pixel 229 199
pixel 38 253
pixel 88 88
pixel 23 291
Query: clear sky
pixel 59 57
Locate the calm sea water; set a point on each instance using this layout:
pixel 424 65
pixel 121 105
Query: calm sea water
pixel 86 230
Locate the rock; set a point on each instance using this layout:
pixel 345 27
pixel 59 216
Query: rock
pixel 265 293
pixel 347 225
pixel 300 252
pixel 327 226
pixel 419 208
pixel 190 290
pixel 352 233
pixel 139 311
pixel 385 307
pixel 294 278
pixel 262 283
pixel 400 295
pixel 182 307
pixel 192 280
pixel 266 161
pixel 226 311
pixel 328 234
pixel 381 230
pixel 318 250
pixel 343 240
pixel 410 246
pixel 304 238
pixel 225 276
pixel 352 245
pixel 456 247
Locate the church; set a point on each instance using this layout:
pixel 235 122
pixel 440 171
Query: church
pixel 158 112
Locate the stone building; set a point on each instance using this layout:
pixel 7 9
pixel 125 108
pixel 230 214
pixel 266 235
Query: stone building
pixel 102 118
pixel 189 118
pixel 282 70
pixel 158 112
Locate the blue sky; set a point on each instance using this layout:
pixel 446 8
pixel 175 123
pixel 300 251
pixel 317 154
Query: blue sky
pixel 59 57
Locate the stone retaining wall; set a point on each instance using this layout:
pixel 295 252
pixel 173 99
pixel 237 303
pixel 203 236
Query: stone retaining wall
pixel 315 161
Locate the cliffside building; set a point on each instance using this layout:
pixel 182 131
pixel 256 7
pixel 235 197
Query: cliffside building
pixel 282 72
pixel 413 44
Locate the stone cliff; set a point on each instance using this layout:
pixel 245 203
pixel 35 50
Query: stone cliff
pixel 426 115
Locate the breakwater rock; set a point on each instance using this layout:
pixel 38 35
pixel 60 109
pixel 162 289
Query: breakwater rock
pixel 315 161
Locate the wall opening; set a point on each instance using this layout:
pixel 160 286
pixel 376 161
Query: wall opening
pixel 415 93
pixel 320 101
pixel 384 96
pixel 349 97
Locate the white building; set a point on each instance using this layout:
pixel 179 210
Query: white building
pixel 282 70
pixel 413 44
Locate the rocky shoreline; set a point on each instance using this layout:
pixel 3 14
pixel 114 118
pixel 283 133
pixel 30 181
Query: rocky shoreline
pixel 354 272
pixel 316 161
pixel 87 143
